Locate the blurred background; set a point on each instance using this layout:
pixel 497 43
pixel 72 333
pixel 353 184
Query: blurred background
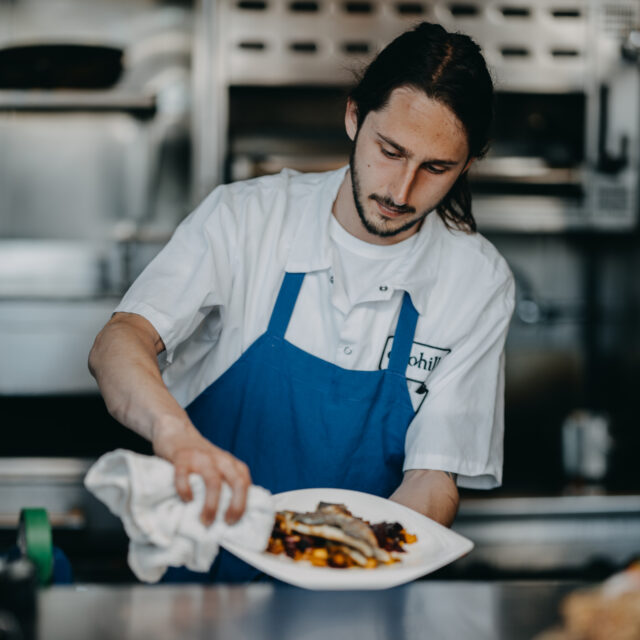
pixel 118 116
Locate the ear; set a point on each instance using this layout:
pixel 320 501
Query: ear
pixel 351 119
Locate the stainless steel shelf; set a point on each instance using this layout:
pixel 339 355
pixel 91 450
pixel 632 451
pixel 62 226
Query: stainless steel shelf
pixel 550 534
pixel 75 100
pixel 551 506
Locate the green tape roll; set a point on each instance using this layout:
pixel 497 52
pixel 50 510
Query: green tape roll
pixel 35 541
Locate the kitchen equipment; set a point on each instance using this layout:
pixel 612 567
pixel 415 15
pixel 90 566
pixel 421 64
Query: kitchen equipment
pixel 35 541
pixel 582 536
pixel 94 174
pixel 585 446
pixel 90 536
pixel 93 104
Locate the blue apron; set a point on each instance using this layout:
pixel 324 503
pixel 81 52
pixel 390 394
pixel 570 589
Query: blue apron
pixel 301 422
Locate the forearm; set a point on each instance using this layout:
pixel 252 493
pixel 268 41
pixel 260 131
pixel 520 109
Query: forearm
pixel 432 493
pixel 124 362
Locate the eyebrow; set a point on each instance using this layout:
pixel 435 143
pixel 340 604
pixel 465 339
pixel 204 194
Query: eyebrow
pixel 408 154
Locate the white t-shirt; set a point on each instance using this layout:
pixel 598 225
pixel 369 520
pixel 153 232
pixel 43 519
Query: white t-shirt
pixel 210 292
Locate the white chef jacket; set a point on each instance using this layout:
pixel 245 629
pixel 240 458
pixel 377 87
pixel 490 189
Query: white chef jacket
pixel 210 293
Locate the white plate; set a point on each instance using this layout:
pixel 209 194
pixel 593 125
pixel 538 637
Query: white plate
pixel 436 545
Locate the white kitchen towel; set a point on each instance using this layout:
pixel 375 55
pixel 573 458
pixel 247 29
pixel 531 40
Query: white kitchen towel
pixel 163 530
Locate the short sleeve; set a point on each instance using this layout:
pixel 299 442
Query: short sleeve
pixel 190 279
pixel 460 425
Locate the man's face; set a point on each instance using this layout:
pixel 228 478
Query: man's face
pixel 406 158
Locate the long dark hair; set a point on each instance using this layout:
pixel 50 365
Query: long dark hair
pixel 449 68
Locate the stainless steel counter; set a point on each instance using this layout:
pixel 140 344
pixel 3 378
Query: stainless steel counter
pixel 424 609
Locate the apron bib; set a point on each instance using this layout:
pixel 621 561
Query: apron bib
pixel 301 422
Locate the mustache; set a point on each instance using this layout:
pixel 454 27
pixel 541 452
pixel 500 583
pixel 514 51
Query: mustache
pixel 390 204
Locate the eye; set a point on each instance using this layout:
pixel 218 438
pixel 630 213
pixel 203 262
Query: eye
pixel 389 154
pixel 431 168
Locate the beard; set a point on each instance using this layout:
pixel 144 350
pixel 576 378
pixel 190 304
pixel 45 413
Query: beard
pixel 371 225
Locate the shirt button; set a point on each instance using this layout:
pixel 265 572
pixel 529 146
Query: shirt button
pixel 383 287
pixel 331 279
pixel 347 350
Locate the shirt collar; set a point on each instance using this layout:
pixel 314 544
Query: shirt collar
pixel 311 247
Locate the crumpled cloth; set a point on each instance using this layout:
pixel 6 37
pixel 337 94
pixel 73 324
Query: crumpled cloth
pixel 163 530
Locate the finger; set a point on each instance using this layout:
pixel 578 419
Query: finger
pixel 212 482
pixel 181 480
pixel 239 479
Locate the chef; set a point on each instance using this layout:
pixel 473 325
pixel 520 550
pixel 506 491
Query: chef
pixel 341 329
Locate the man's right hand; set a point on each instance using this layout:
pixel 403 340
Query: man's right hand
pixel 191 453
pixel 124 362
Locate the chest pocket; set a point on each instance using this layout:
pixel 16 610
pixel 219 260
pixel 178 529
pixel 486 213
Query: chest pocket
pixel 423 361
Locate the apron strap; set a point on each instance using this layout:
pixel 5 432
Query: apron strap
pixel 285 303
pixel 403 339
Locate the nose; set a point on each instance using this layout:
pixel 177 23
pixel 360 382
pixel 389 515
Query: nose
pixel 403 184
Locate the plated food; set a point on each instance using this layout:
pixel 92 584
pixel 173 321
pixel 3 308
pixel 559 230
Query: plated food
pixel 331 536
pixel 435 545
